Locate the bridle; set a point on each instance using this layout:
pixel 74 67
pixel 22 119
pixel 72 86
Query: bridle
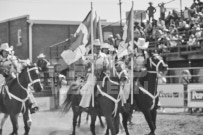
pixel 156 65
pixel 31 81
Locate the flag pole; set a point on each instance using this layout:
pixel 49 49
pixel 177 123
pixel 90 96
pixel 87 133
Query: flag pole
pixel 92 94
pixel 132 59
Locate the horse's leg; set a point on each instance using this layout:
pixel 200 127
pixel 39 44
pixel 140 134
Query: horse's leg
pixel 87 117
pixel 14 121
pixel 101 122
pixel 154 115
pixel 125 116
pixel 116 123
pixel 75 116
pixel 27 121
pixel 149 120
pixel 110 124
pixel 107 131
pixel 3 120
pixel 93 119
pixel 79 121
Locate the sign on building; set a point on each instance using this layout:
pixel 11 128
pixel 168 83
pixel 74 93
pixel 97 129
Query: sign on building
pixel 195 95
pixel 139 15
pixel 171 95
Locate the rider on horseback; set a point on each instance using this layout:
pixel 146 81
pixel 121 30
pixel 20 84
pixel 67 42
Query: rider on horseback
pixel 100 61
pixel 10 66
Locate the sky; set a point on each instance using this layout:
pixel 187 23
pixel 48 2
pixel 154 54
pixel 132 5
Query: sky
pixel 76 10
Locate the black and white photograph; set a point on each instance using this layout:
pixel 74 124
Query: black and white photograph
pixel 101 67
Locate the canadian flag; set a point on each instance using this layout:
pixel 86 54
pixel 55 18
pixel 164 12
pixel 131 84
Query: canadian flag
pixel 78 47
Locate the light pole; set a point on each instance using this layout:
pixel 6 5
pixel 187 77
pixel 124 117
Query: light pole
pixel 120 15
pixel 181 8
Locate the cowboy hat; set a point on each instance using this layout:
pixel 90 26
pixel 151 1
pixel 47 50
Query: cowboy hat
pixel 41 55
pixel 105 45
pixel 111 48
pixel 141 44
pixel 6 47
pixel 96 42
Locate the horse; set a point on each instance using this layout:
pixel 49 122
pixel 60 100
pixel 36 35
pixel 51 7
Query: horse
pixel 72 101
pixel 107 102
pixel 15 95
pixel 145 92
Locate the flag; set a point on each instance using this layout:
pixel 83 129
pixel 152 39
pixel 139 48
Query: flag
pixel 123 46
pixel 77 48
pixel 99 31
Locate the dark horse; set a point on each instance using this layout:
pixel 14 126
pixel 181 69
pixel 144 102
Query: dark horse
pixel 145 92
pixel 107 102
pixel 15 95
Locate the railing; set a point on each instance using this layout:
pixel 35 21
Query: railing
pixel 174 75
pixel 182 48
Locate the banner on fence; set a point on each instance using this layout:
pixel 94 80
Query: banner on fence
pixel 171 95
pixel 195 95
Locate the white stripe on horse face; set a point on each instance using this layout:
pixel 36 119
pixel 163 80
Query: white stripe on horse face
pixel 37 71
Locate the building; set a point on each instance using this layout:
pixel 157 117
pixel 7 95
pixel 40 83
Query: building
pixel 32 37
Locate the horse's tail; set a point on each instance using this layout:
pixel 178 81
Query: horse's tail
pixel 73 90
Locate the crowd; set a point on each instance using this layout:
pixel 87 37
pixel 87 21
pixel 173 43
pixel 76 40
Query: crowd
pixel 173 29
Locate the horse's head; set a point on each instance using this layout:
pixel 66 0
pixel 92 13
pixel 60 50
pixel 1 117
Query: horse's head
pixel 31 74
pixel 156 64
pixel 120 71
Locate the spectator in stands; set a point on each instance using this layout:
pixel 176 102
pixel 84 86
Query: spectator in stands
pixel 137 33
pixel 192 40
pixel 162 10
pixel 148 28
pixel 199 6
pixel 185 77
pixel 161 24
pixel 194 4
pixel 150 11
pixel 43 64
pixel 186 14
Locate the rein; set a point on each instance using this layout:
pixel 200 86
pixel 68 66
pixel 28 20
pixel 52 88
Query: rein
pixel 116 101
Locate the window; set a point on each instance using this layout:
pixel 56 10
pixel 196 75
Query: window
pixel 19 36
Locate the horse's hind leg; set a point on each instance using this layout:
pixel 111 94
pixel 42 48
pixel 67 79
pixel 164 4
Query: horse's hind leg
pixel 154 115
pixel 101 122
pixel 110 124
pixel 79 120
pixel 87 117
pixel 14 121
pixel 75 116
pixel 92 125
pixel 116 123
pixel 3 120
pixel 107 131
pixel 125 116
pixel 27 121
pixel 149 120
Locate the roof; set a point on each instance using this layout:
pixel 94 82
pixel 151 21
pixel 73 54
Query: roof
pixel 15 18
pixel 59 22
